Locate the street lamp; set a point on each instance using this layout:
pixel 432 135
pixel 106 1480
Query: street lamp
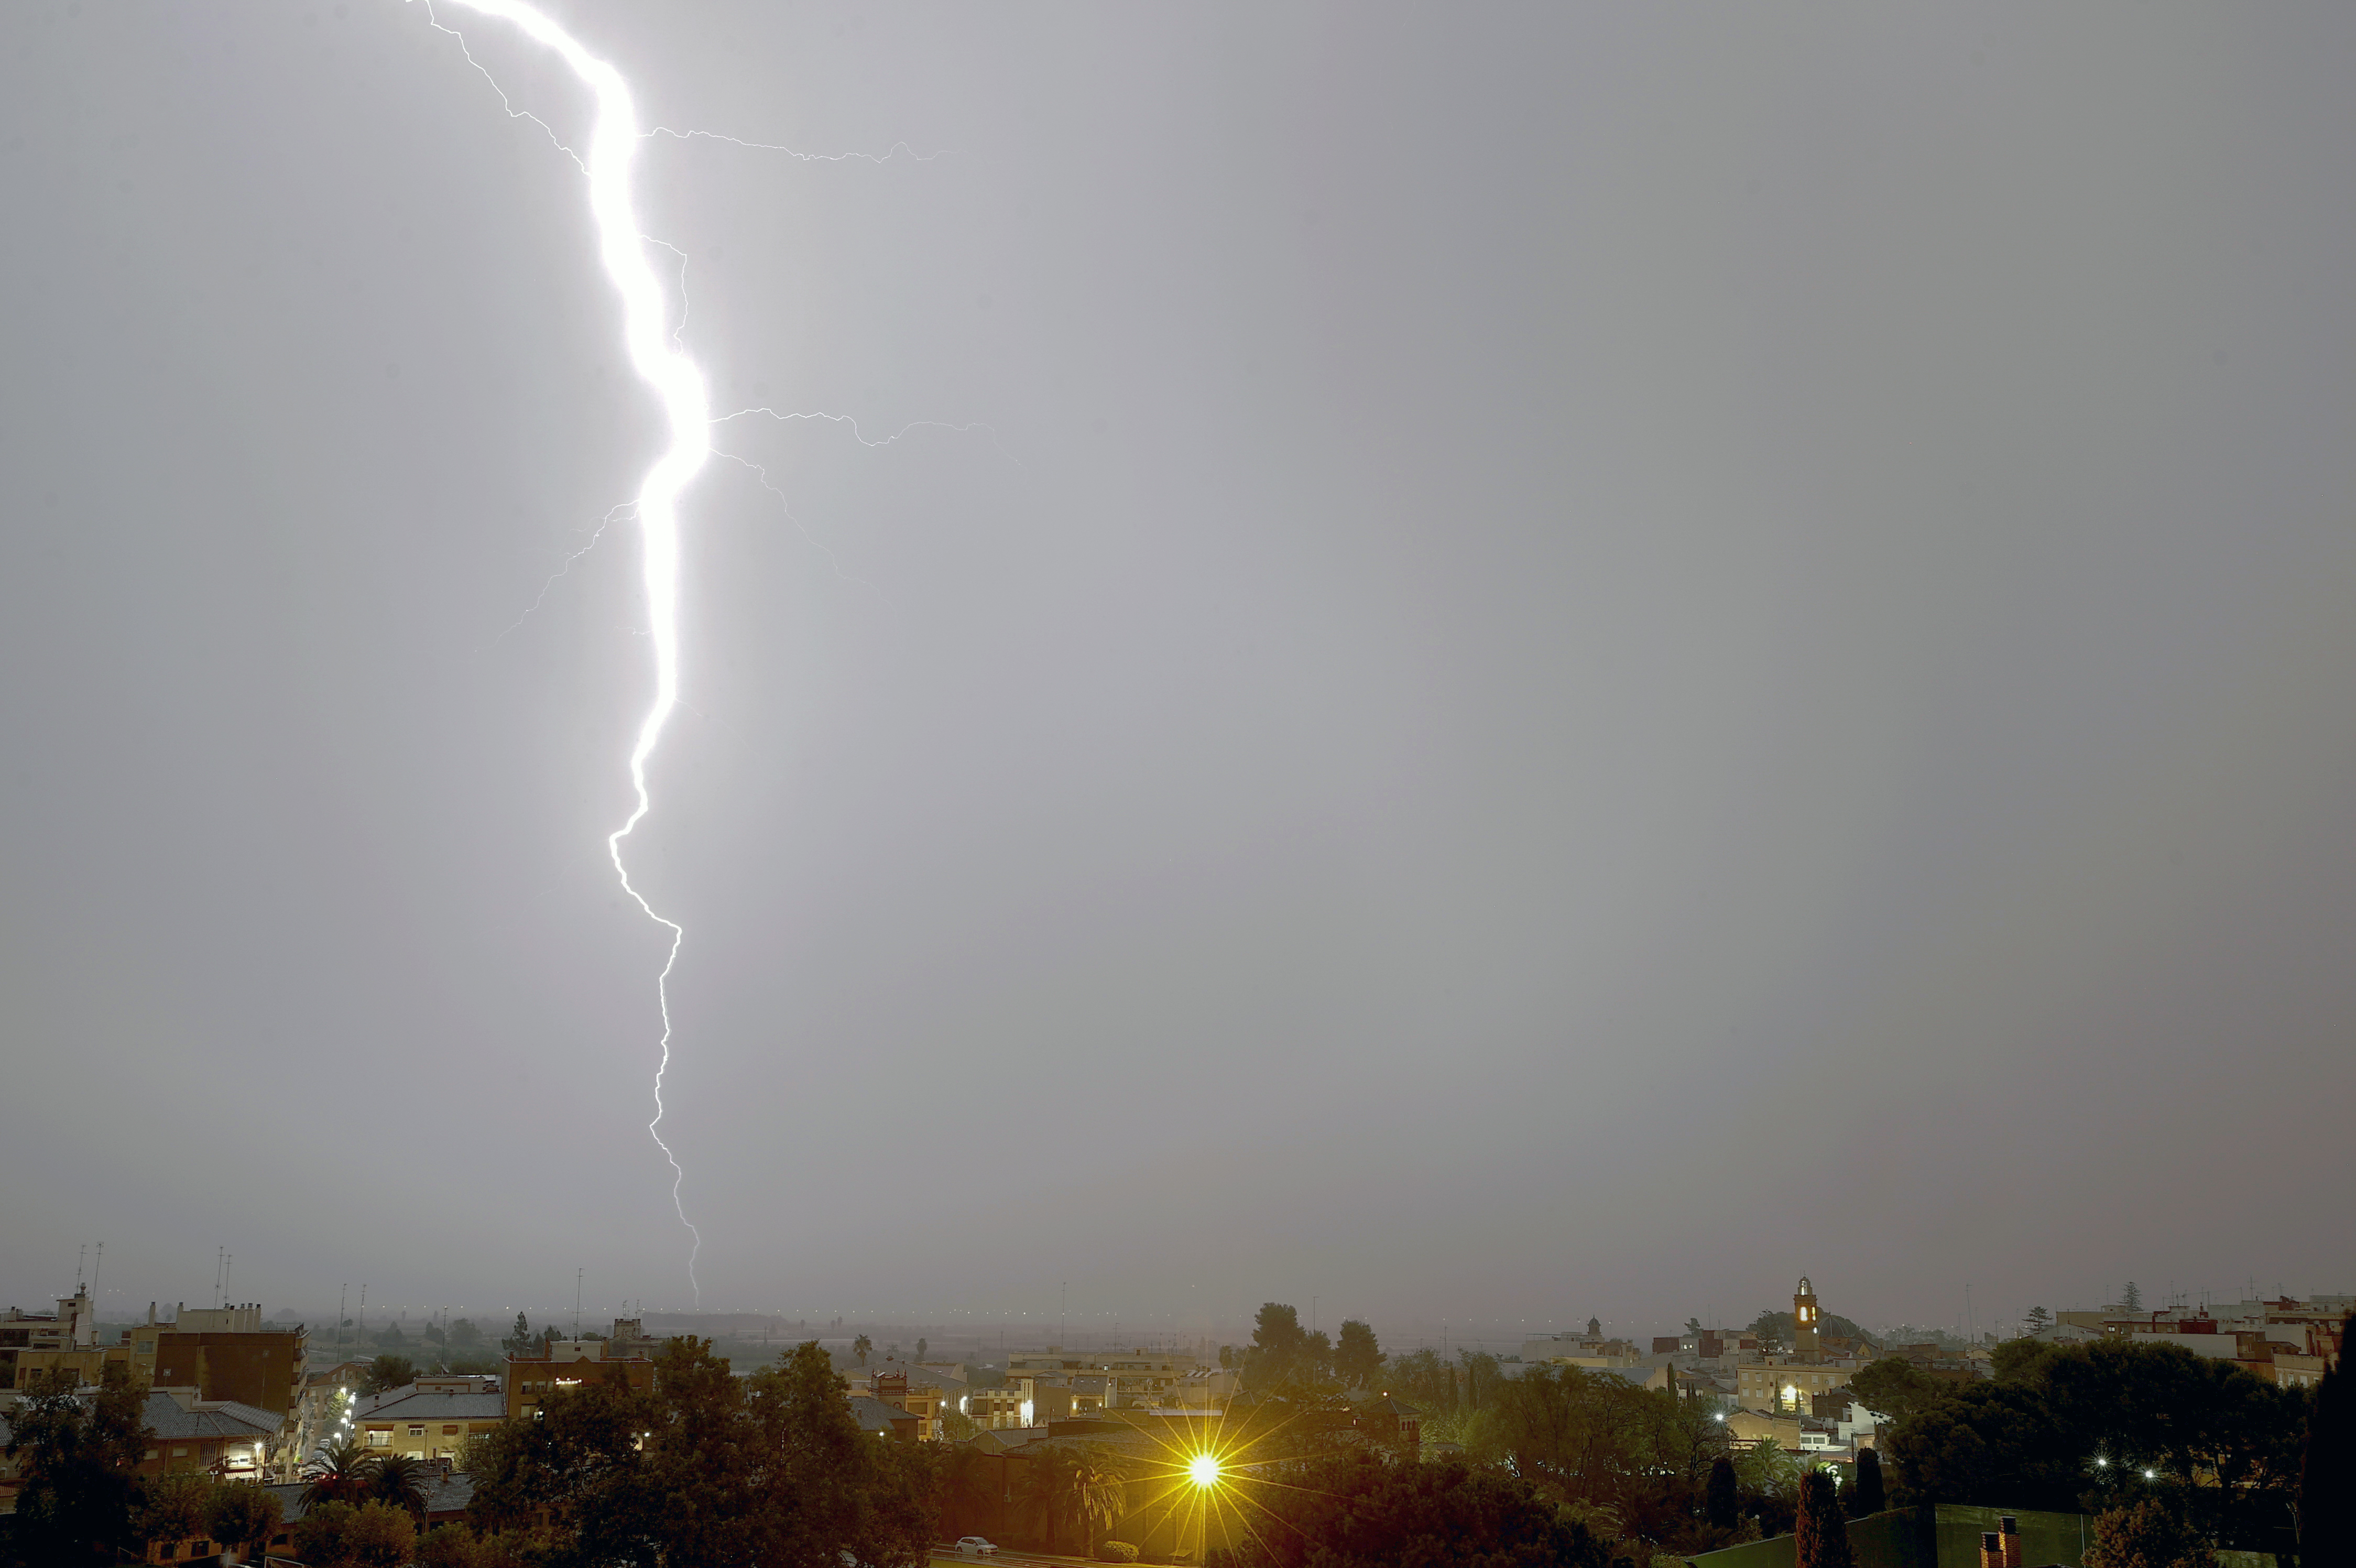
pixel 1202 1470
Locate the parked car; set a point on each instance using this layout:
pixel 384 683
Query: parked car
pixel 975 1546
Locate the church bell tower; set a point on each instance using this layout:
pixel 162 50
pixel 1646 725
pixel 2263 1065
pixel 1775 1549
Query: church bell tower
pixel 1804 1320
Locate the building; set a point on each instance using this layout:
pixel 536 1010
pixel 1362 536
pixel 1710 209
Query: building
pixel 73 1327
pixel 1791 1384
pixel 1804 1320
pixel 912 1392
pixel 883 1420
pixel 564 1364
pixel 221 1437
pixel 432 1418
pixel 1138 1377
pixel 223 1353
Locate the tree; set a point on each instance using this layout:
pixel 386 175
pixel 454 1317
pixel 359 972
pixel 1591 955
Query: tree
pixel 860 1346
pixel 2039 1320
pixel 465 1336
pixel 1358 1356
pixel 1820 1534
pixel 171 1507
pixel 399 1480
pixel 241 1518
pixel 1871 1497
pixel 338 1535
pixel 76 1457
pixel 389 1372
pixel 920 1348
pixel 1723 1500
pixel 520 1341
pixel 1896 1388
pixel 2327 1480
pixel 2133 1298
pixel 710 1468
pixel 390 1337
pixel 1693 1327
pixel 1594 1326
pixel 2148 1535
pixel 1278 1342
pixel 1356 1511
pixel 342 1473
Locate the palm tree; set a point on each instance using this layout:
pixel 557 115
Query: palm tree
pixel 1099 1496
pixel 343 1474
pixel 1051 1486
pixel 860 1346
pixel 398 1479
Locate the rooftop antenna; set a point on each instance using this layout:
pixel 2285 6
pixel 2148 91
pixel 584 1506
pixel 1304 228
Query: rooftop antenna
pixel 96 1263
pixel 576 1302
pixel 228 1258
pixel 79 1258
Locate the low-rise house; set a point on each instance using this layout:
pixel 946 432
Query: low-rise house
pixel 431 1419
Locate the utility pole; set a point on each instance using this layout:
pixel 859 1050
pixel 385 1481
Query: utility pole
pixel 343 1303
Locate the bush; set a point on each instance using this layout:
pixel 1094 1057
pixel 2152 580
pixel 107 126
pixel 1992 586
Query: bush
pixel 2148 1535
pixel 1116 1552
pixel 338 1535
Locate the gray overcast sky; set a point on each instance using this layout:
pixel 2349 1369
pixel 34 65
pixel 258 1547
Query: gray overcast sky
pixel 1601 654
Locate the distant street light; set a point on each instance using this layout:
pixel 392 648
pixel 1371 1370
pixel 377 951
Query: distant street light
pixel 1204 1470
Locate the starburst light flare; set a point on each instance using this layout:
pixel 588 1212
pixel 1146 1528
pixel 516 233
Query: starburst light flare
pixel 612 152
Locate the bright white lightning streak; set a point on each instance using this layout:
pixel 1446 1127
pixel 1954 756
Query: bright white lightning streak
pixel 613 149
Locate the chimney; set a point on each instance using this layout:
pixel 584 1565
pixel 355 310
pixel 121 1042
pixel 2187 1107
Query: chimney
pixel 2008 1531
pixel 1991 1554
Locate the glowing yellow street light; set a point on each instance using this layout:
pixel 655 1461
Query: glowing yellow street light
pixel 1204 1470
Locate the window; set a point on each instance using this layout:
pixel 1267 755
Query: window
pixel 449 1432
pixel 380 1437
pixel 417 1432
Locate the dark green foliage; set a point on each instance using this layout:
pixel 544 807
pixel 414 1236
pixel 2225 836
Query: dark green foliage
pixel 465 1336
pixel 75 1459
pixel 2148 1534
pixel 344 1474
pixel 711 1469
pixel 521 1340
pixel 2327 1520
pixel 1869 1497
pixel 861 1347
pixel 241 1518
pixel 1358 1355
pixel 171 1507
pixel 1820 1532
pixel 1355 1511
pixel 1584 1438
pixel 400 1481
pixel 338 1535
pixel 1723 1505
pixel 1277 1350
pixel 1777 1327
pixel 1897 1388
pixel 2071 1424
pixel 387 1372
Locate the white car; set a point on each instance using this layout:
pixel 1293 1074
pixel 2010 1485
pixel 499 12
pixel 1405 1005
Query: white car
pixel 975 1546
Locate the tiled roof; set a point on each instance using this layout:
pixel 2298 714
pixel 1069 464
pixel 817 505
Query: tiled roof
pixel 875 1415
pixel 408 1405
pixel 213 1418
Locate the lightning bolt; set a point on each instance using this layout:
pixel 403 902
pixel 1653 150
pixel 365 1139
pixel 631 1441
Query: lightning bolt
pixel 664 366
